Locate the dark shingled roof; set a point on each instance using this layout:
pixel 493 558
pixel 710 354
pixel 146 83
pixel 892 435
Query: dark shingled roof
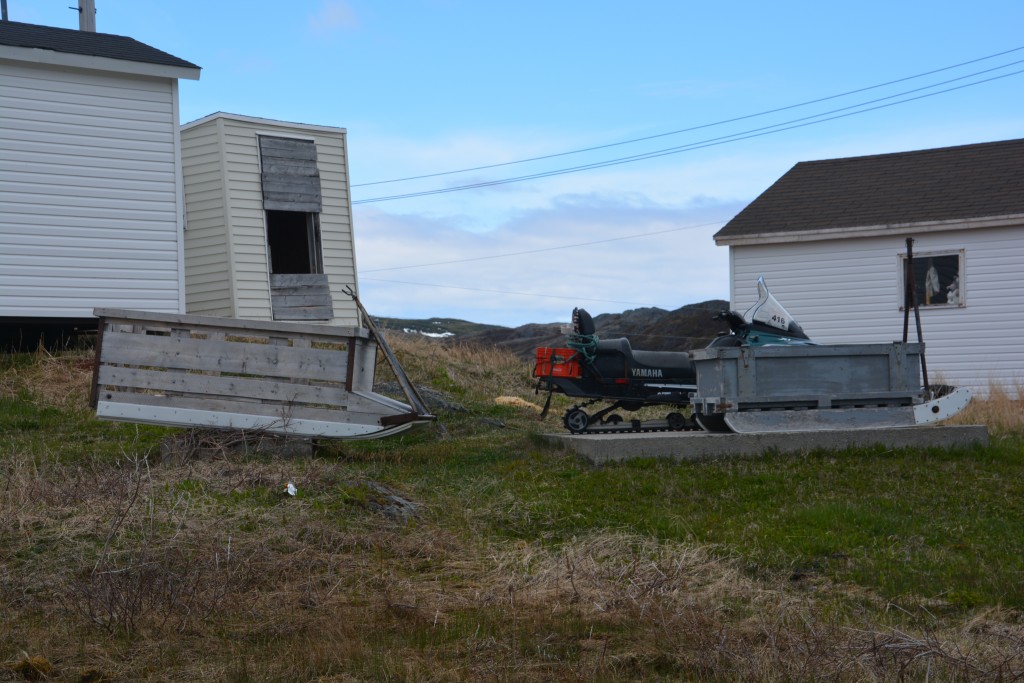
pixel 949 183
pixel 87 43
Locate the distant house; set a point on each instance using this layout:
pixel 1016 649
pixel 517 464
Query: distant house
pixel 830 238
pixel 268 220
pixel 91 200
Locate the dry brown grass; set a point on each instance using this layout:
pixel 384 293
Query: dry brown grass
pixel 166 579
pixel 1002 411
pixel 476 371
pixel 61 381
pixel 201 569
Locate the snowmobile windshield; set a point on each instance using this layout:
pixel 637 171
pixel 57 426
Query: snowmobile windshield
pixel 768 310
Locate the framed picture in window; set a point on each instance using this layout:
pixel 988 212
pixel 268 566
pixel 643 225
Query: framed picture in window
pixel 938 278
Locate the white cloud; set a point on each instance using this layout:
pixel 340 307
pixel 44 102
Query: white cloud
pixel 333 15
pixel 539 280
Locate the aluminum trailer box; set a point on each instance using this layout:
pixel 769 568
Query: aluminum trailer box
pixel 816 387
pixel 810 376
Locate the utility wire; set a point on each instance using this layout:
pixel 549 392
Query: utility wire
pixel 537 251
pixel 735 137
pixel 693 128
pixel 502 291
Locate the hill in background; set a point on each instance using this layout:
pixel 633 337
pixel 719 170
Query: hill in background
pixel 652 329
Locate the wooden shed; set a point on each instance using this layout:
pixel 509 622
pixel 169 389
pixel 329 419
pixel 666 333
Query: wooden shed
pixel 90 183
pixel 268 220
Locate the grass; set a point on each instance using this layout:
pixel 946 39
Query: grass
pixel 470 551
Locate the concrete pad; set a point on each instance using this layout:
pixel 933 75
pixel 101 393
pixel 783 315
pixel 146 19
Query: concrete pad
pixel 687 446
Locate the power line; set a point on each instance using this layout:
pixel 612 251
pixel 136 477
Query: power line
pixel 502 291
pixel 698 127
pixel 537 251
pixel 735 137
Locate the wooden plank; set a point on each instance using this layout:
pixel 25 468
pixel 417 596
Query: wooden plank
pixel 231 325
pixel 289 177
pixel 162 415
pixel 284 280
pixel 407 386
pixel 278 166
pixel 287 148
pixel 303 313
pixel 94 386
pixel 304 186
pixel 304 299
pixel 362 414
pixel 235 357
pixel 369 402
pixel 211 385
pixel 291 204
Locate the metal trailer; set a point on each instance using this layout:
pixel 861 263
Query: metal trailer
pixel 812 387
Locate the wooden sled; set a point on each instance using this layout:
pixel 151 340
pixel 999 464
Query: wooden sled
pixel 290 379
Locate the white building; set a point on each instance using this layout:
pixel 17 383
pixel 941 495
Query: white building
pixel 830 239
pixel 91 201
pixel 268 220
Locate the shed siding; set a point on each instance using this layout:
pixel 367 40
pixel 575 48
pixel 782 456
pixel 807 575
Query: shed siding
pixel 207 275
pixel 245 202
pixel 239 150
pixel 848 290
pixel 88 193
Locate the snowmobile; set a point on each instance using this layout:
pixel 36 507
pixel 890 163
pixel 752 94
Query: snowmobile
pixel 764 375
pixel 611 371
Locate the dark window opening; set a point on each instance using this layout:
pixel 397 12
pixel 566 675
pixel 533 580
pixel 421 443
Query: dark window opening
pixel 938 279
pixel 294 241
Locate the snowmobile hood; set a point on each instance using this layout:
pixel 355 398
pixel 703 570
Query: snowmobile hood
pixel 768 311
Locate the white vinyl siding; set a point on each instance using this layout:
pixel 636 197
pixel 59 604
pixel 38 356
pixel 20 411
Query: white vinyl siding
pixel 207 278
pixel 88 192
pixel 246 253
pixel 848 290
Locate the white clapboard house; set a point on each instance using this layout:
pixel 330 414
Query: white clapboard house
pixel 268 220
pixel 830 238
pixel 91 200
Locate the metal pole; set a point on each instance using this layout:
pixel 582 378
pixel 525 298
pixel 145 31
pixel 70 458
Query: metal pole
pixel 908 287
pixel 917 316
pixel 3 9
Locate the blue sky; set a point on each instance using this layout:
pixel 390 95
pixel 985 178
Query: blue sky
pixel 430 86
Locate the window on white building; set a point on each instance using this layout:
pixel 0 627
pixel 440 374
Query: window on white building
pixel 938 278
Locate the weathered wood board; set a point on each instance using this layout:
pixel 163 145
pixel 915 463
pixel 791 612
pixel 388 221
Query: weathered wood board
pixel 283 378
pixel 301 297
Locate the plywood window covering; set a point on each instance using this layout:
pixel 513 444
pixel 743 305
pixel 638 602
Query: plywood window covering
pixel 299 290
pixel 290 177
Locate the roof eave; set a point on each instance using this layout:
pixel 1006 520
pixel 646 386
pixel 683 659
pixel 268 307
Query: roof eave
pixel 256 120
pixel 981 222
pixel 53 58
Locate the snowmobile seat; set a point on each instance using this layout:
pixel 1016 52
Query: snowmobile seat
pixel 667 360
pixel 673 362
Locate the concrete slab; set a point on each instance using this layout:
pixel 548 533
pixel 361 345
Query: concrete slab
pixel 686 446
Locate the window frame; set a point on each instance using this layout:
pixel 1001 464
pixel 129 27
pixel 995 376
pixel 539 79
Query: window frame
pixel 920 270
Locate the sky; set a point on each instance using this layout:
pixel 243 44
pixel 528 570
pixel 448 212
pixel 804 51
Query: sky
pixel 718 100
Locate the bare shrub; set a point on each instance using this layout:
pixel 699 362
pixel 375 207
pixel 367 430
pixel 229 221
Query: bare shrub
pixel 152 570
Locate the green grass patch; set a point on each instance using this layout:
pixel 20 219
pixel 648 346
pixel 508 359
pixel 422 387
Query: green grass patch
pixel 469 550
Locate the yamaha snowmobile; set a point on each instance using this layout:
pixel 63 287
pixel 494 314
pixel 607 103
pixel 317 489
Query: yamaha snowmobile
pixel 610 371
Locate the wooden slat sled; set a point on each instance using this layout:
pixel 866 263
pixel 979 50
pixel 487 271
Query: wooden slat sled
pixel 290 379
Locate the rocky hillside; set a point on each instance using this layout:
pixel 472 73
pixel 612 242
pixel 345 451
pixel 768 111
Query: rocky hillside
pixel 652 329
